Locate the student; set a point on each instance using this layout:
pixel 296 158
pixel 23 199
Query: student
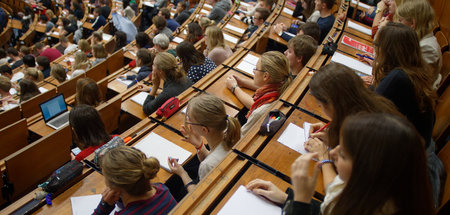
pixel 143 40
pixel 97 38
pixel 261 14
pixel 6 71
pixel 300 50
pixel 105 10
pixel 80 65
pixel 175 82
pixel 124 24
pixel 76 10
pixel 24 50
pixel 42 50
pixel 33 74
pixel 87 129
pixel 249 20
pixel 99 20
pixel 28 89
pixel 368 165
pixel 385 12
pixel 271 79
pixel 7 101
pixel 326 19
pixel 127 173
pixel 194 33
pixel 161 27
pixel 121 40
pixel 181 14
pixel 144 59
pixel 68 26
pixel 419 15
pixel 88 92
pixel 53 18
pixel 3 56
pixel 84 46
pixel 29 61
pixel 16 60
pixel 171 24
pixel 99 53
pixel 310 14
pixel 219 10
pixel 161 44
pixel 205 23
pixel 43 64
pixel 58 72
pixel 310 28
pixel 216 49
pixel 67 46
pixel 206 117
pixel 194 63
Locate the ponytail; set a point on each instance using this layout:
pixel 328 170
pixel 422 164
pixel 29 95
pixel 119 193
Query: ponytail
pixel 233 132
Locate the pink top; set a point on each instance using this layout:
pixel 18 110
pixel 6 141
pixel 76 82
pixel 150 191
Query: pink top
pixel 218 55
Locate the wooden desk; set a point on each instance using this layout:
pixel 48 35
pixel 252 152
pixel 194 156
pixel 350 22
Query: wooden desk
pixel 358 33
pixel 281 19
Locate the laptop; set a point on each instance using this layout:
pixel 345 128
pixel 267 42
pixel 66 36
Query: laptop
pixel 55 112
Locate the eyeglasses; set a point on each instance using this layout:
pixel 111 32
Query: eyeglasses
pixel 187 122
pixel 255 69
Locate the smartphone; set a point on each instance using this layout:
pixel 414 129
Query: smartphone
pixel 294 26
pixel 76 151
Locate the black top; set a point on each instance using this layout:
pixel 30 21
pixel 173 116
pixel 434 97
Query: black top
pixel 182 17
pixel 105 11
pixel 170 89
pixel 398 88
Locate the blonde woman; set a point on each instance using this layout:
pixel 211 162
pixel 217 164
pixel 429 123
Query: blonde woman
pixel 84 46
pixel 204 23
pixel 81 64
pixel 216 49
pixel 33 74
pixel 58 72
pixel 206 117
pixel 271 79
pixel 99 53
pixel 127 173
pixel 175 82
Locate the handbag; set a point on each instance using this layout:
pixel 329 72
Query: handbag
pixel 62 176
pixel 272 123
pixel 168 108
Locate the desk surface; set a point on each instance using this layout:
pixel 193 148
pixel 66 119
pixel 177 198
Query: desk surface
pixel 357 33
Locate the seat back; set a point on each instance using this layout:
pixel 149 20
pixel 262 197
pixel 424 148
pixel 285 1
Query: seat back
pixel 444 156
pixel 31 107
pixel 441 127
pixel 115 61
pixel 110 113
pixel 13 138
pixel 69 87
pixel 98 72
pixel 10 116
pixel 442 40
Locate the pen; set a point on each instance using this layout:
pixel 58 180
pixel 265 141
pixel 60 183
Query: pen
pixel 360 55
pixel 323 128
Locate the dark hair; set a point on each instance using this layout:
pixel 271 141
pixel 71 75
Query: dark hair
pixel 29 60
pixel 142 39
pixel 183 4
pixel 65 22
pixel 389 169
pixel 312 29
pixel 43 61
pixel 25 50
pixel 39 45
pixel 146 57
pixel 5 69
pixel 98 11
pixel 264 13
pixel 189 55
pixel 13 51
pixel 121 40
pixel 28 89
pixel 310 9
pixel 341 89
pixel 3 53
pixel 87 126
pixel 160 23
pixel 88 92
pixel 329 3
pixel 304 46
pixel 194 32
pixel 43 18
pixel 165 12
pixel 76 5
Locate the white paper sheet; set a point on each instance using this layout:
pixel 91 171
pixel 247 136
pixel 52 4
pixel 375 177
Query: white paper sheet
pixel 230 38
pixel 172 14
pixel 234 28
pixel 56 33
pixel 132 52
pixel 156 146
pixel 125 82
pixel 17 76
pixel 236 17
pixel 290 34
pixel 288 11
pixel 207 6
pixel 204 11
pixel 184 110
pixel 12 91
pixel 252 59
pixel 107 37
pixel 84 205
pixel 177 40
pixel 365 6
pixel 245 202
pixel 136 69
pixel 352 63
pixel 359 28
pixel 246 67
pixel 294 137
pixel 149 4
pixel 140 98
pixel 42 89
pixel 244 4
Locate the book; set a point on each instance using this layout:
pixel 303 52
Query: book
pixel 348 41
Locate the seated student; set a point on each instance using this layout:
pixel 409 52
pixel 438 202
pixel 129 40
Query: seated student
pixel 144 59
pixel 309 28
pixel 51 16
pixel 29 61
pixel 419 15
pixel 120 40
pixel 175 82
pixel 219 10
pixel 204 23
pixel 194 33
pixel 124 23
pixel 48 25
pixel 58 72
pixel 76 10
pixel 67 46
pixel 161 44
pixel 309 12
pixel 206 117
pixel 326 19
pixel 84 46
pixel 28 89
pixel 194 63
pixel 88 130
pixel 24 50
pixel 105 10
pixel 80 65
pixel 51 53
pixel 143 41
pixel 127 173
pixel 7 100
pixel 385 12
pixel 249 20
pixel 3 56
pixel 216 49
pixel 300 50
pixel 171 24
pixel 99 53
pixel 99 20
pixel 261 14
pixel 181 14
pixel 6 71
pixel 369 168
pixel 16 60
pixel 271 79
pixel 68 26
pixel 401 75
pixel 97 38
pixel 88 92
pixel 43 64
pixel 161 27
pixel 33 74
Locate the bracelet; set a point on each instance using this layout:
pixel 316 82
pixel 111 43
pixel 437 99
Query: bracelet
pixel 200 147
pixel 234 88
pixel 322 162
pixel 189 184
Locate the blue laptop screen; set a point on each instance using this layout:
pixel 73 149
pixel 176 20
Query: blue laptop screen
pixel 53 107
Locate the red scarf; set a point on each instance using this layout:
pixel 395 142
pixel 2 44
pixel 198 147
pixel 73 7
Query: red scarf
pixel 264 95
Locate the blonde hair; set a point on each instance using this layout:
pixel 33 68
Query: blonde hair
pixel 205 22
pixel 168 64
pixel 215 37
pixel 5 84
pixel 99 51
pixel 98 35
pixel 209 111
pixel 50 14
pixel 84 45
pixel 277 65
pixel 58 72
pixel 34 74
pixel 81 61
pixel 421 12
pixel 129 169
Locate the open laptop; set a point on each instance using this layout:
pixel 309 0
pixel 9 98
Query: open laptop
pixel 55 112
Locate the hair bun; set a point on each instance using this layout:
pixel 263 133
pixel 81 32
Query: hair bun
pixel 150 167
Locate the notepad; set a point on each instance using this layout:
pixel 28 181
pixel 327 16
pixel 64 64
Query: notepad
pixel 140 98
pixel 365 6
pixel 352 63
pixel 252 59
pixel 288 11
pixel 234 28
pixel 107 37
pixel 17 76
pixel 42 89
pixel 244 4
pixel 295 137
pixel 236 17
pixel 359 28
pixel 126 82
pixel 172 14
pixel 246 67
pixel 207 6
pixel 204 11
pixel 230 38
pixel 246 202
pixel 177 40
pixel 56 33
pixel 83 205
pixel 156 146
